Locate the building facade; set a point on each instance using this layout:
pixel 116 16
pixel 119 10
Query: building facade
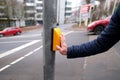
pixel 39 11
pixel 2 13
pixel 6 14
pixel 33 11
pixel 60 11
pixel 29 12
pixel 2 7
pixel 68 11
pixel 64 11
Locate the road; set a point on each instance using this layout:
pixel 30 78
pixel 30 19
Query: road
pixel 21 58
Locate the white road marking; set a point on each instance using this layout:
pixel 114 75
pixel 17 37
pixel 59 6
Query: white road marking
pixel 4 68
pixel 18 48
pixel 21 36
pixel 85 63
pixel 16 41
pixel 33 35
pixel 17 60
pixel 68 32
pixel 21 58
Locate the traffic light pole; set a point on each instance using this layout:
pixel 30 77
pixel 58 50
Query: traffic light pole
pixel 50 20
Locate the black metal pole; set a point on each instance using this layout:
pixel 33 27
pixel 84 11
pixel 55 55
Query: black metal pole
pixel 50 20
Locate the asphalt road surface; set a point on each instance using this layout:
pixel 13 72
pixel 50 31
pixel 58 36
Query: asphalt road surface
pixel 21 58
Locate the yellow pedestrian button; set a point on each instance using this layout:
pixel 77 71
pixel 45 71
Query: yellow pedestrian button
pixel 56 38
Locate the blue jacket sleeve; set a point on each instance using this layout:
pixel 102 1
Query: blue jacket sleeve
pixel 108 37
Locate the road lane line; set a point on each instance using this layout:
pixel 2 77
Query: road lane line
pixel 18 48
pixel 15 41
pixel 28 54
pixel 20 36
pixel 68 32
pixel 85 63
pixel 7 66
pixel 21 58
pixel 17 60
pixel 27 36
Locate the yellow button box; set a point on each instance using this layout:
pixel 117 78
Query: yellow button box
pixel 56 38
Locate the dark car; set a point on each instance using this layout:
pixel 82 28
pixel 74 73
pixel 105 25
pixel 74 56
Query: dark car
pixel 10 31
pixel 98 26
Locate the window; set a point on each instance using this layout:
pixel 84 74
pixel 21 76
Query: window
pixel 68 14
pixel 40 0
pixel 2 2
pixel 29 1
pixel 68 8
pixel 2 10
pixel 68 3
pixel 31 15
pixel 39 10
pixel 39 5
pixel 30 7
pixel 39 16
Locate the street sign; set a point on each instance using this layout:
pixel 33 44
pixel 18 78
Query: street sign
pixel 84 16
pixel 86 8
pixel 85 11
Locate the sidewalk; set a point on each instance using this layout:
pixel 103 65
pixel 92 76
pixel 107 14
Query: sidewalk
pixel 73 27
pixel 105 66
pixel 78 28
pixel 28 28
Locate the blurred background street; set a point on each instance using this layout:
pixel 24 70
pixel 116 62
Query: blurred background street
pixel 26 29
pixel 27 62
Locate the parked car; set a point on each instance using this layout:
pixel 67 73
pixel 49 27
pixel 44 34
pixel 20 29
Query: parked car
pixel 98 26
pixel 10 31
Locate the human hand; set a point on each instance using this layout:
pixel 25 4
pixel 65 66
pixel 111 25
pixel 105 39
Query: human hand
pixel 63 48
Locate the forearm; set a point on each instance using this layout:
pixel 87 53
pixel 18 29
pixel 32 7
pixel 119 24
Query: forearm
pixel 105 41
pixel 84 50
pixel 87 49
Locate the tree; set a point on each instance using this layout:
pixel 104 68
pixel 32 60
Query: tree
pixel 105 9
pixel 8 11
pixel 18 10
pixel 13 10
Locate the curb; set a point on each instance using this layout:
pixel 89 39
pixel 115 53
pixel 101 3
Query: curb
pixel 29 28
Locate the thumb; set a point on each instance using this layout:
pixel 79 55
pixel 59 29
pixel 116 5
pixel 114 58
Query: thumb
pixel 58 47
